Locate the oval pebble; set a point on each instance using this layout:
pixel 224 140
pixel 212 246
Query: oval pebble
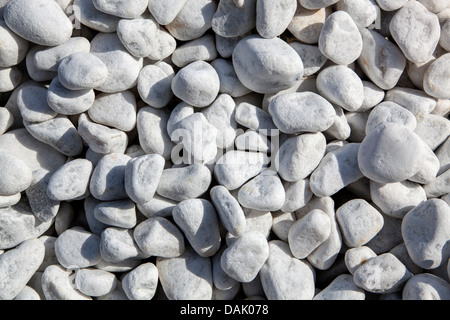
pixel 139 36
pixel 266 65
pixel 118 213
pixel 57 284
pixel 426 286
pixel 46 23
pixel 273 18
pixel 154 84
pixel 122 8
pixel 141 282
pixel 16 176
pixel 95 283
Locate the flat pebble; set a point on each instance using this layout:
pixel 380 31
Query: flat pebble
pixel 141 282
pixel 372 276
pixel 266 65
pixel 121 8
pixel 18 265
pixel 158 236
pixel 416 31
pixel 359 222
pixel 118 213
pixel 95 283
pixel 16 175
pixel 289 113
pixel 341 288
pixel 431 217
pixel 188 276
pixel 90 16
pixel 46 23
pixel 280 275
pixel 77 248
pixel 426 286
pixel 244 258
pixel 154 84
pixel 198 220
pixel 184 183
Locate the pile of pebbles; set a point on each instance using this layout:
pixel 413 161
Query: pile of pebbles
pixel 232 149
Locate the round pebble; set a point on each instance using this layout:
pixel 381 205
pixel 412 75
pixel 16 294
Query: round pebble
pixel 121 8
pixel 16 175
pixel 141 282
pixel 154 84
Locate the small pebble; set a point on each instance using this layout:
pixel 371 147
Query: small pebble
pixel 141 282
pixel 390 112
pixel 426 286
pixel 16 175
pixel 57 284
pixel 232 21
pixel 118 213
pixel 356 257
pixel 165 11
pixel 435 81
pixel 44 208
pixel 90 16
pixel 117 245
pixel 139 36
pixel 229 82
pixel 121 8
pixel 14 48
pixel 95 283
pixel 154 84
pixel 306 24
pixel 253 117
pixel 273 18
pixel 32 103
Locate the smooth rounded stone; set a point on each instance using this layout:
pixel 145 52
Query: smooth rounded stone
pixel 95 283
pixel 435 81
pixel 236 167
pixel 81 71
pixel 57 284
pixel 244 258
pixel 122 8
pixel 392 153
pixel 299 155
pixel 68 102
pixel 391 5
pixel 193 20
pixel 10 78
pixel 381 60
pixel 252 141
pixel 363 12
pixel 382 274
pixel 265 192
pixel 157 236
pixel 117 244
pixel 221 114
pixel 118 213
pixel 200 49
pixel 90 16
pixel 48 58
pixel 255 118
pixel 273 18
pixel 20 224
pixel 341 288
pixel 398 198
pixel 42 21
pixel 116 110
pixel 416 31
pixel 59 132
pixel 151 124
pixel 373 96
pixel 142 176
pixel 307 24
pixel 100 138
pixel 390 112
pixel 229 82
pixel 108 178
pixel 308 232
pixel 439 186
pixel 187 277
pixel 229 210
pixel 297 193
pixel 154 84
pixel 27 293
pixel 433 130
pixel 44 208
pixel 32 103
pixel 336 170
pixel 340 129
pixel 182 110
pixel 77 248
pixel 198 220
pixel 283 277
pixel 221 280
pixel 198 137
pixel 141 282
pixel 165 11
pixel 342 86
pixel 425 230
pixel 356 257
pixel 184 183
pixel 197 84
pixel 313 60
pixel 35 73
pixel 444 40
pixel 8 201
pixel 157 207
pixel 230 20
pixel 14 48
pixel 163 47
pixel 139 36
pixel 35 154
pixel 282 222
pixel 426 286
pixel 340 40
pixel 415 101
pixel 123 68
pixel 359 222
pixel 266 65
pixel 299 112
pixel 16 175
pixel 18 265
